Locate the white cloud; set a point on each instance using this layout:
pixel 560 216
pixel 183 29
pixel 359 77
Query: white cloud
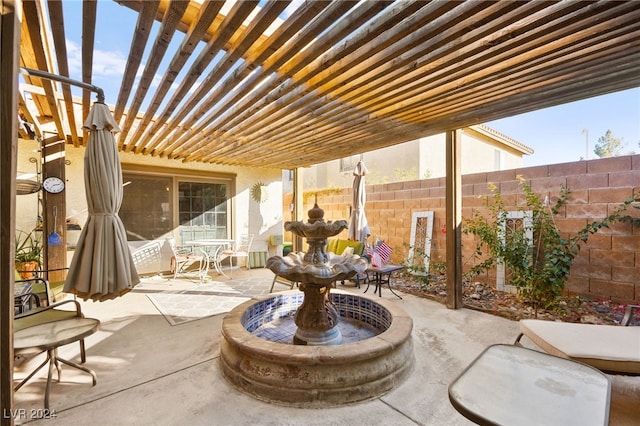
pixel 106 63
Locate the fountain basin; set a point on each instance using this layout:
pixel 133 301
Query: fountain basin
pixel 316 376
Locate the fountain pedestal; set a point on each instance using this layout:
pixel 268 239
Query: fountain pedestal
pixel 316 318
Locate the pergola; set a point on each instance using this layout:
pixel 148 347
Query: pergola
pixel 289 84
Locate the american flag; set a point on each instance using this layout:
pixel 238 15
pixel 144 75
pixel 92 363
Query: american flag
pixel 384 250
pixel 374 257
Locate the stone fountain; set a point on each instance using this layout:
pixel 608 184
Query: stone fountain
pixel 317 317
pixel 315 368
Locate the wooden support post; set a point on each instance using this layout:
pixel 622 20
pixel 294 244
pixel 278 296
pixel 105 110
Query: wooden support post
pixel 9 51
pixel 53 165
pixel 454 220
pixel 298 206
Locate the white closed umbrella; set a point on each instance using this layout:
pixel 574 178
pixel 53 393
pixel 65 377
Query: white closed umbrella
pixel 102 267
pixel 358 225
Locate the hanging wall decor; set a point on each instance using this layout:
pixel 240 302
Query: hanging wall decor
pixel 259 192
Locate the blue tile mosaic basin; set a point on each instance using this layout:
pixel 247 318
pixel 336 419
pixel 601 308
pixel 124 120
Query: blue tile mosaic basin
pixel 272 319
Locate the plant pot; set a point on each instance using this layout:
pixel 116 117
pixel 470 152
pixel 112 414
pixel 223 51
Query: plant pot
pixel 27 269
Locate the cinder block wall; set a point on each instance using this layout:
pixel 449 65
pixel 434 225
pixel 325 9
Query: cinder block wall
pixel 607 267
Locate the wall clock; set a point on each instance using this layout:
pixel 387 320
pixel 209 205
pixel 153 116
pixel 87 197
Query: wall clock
pixel 53 184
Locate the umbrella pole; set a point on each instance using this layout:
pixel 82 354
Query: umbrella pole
pixel 63 79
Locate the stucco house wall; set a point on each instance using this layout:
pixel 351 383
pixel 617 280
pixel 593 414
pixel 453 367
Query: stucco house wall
pixel 607 267
pixel 262 219
pixel 424 158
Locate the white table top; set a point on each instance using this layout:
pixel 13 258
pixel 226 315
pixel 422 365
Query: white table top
pixel 209 242
pixel 53 334
pixel 512 385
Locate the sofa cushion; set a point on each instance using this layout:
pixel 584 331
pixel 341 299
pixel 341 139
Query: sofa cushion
pixel 609 348
pixel 332 244
pixel 337 246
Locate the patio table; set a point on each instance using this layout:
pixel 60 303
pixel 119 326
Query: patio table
pixel 512 385
pixel 381 275
pixel 49 337
pixel 217 244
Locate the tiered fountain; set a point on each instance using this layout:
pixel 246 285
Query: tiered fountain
pixel 310 364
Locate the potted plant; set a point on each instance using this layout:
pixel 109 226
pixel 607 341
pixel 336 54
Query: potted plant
pixel 28 254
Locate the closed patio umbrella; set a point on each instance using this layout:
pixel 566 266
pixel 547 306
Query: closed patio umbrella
pixel 358 225
pixel 102 267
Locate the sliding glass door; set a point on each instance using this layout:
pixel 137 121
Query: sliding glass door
pixel 202 210
pixel 155 206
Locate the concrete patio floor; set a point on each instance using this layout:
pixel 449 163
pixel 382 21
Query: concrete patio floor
pixel 152 373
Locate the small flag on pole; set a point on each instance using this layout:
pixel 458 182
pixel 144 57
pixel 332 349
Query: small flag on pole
pixel 384 250
pixel 380 253
pixel 370 251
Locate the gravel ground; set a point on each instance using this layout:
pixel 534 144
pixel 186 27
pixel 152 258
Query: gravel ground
pixel 485 298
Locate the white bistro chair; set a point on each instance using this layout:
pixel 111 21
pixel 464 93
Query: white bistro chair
pixel 239 250
pixel 183 259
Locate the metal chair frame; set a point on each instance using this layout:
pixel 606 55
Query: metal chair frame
pixel 241 249
pixel 183 258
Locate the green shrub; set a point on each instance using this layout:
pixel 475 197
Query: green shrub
pixel 537 254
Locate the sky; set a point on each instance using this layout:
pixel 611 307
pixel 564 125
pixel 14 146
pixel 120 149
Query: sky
pixel 558 134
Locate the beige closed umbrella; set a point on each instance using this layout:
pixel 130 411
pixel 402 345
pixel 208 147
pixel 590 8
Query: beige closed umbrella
pixel 102 267
pixel 358 225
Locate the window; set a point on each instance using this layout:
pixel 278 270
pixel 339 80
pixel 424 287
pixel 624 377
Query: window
pixel 347 164
pixel 146 206
pixel 203 207
pixel 155 206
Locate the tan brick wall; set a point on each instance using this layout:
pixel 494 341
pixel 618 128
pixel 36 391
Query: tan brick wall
pixel 607 267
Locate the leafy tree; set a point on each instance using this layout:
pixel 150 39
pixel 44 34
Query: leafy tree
pixel 609 145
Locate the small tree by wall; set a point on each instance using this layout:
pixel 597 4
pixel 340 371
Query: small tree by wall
pixel 538 255
pixel 609 145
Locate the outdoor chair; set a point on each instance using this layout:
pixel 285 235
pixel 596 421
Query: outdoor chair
pixel 183 259
pixel 216 257
pixel 147 258
pixel 39 291
pixel 40 284
pixel 610 348
pixel 240 249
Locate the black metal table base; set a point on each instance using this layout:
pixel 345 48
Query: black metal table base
pixel 381 276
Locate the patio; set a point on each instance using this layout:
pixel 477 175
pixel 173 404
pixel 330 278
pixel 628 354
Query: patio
pixel 517 56
pixel 150 372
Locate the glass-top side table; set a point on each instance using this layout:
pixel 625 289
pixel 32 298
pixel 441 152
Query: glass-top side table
pixel 48 337
pixel 512 385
